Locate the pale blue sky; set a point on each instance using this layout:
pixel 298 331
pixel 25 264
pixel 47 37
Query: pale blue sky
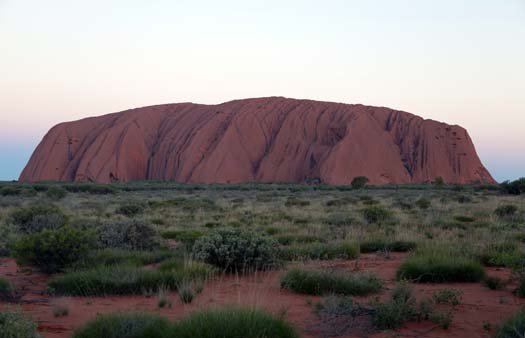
pixel 458 61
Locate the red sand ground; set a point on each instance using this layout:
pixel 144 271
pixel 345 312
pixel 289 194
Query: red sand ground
pixel 479 305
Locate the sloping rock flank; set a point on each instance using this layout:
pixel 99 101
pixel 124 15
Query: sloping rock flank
pixel 268 140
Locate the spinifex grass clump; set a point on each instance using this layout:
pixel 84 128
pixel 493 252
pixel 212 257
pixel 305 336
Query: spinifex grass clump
pixel 124 279
pixel 125 325
pixel 128 257
pixel 219 323
pixel 514 327
pixel 318 282
pixel 6 289
pixel 521 287
pixel 341 250
pixel 440 264
pixel 232 323
pixel 194 270
pixel 504 254
pixel 113 280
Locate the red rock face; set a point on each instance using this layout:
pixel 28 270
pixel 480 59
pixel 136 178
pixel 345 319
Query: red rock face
pixel 267 140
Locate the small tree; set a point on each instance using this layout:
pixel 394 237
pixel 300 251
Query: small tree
pixel 515 187
pixel 56 193
pixel 359 182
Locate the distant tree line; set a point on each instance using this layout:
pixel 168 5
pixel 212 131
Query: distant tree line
pixel 516 187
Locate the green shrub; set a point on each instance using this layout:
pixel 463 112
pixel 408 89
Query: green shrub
pixel 15 324
pixel 423 203
pixel 187 237
pixel 317 282
pixel 124 325
pixel 463 199
pixel 85 223
pixel 514 327
pixel 232 323
pixel 494 283
pixel 403 306
pixel 440 264
pixel 342 250
pixel 23 191
pixel 130 209
pixel 359 182
pixel 296 202
pixel 513 188
pixel 272 231
pixel 376 214
pixel 288 239
pixel 370 201
pixel 56 193
pixel 6 289
pixel 38 217
pixel 464 219
pixel 334 305
pixel 53 250
pixel 5 240
pixel 505 211
pixel 10 191
pixel 134 235
pixel 447 296
pixel 185 204
pixel 521 286
pixel 396 311
pixel 120 256
pixel 339 202
pixel 174 263
pixel 339 219
pixel 439 182
pixel 236 250
pixel 374 245
pixel 192 269
pixel 95 189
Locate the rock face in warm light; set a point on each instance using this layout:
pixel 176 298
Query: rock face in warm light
pixel 267 140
